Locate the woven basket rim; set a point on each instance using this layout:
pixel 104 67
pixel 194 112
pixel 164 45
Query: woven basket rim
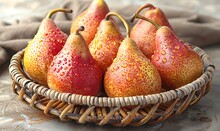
pixel 15 69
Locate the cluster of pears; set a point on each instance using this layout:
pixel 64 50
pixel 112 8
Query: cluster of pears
pixel 96 54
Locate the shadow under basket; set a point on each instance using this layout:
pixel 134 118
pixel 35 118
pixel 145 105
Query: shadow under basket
pixel 105 110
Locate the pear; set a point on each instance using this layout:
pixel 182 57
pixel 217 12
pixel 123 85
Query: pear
pixel 90 19
pixel 131 73
pixel 40 51
pixel 177 63
pixel 104 46
pixel 143 32
pixel 73 69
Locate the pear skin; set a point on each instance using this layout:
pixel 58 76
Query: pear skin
pixel 40 51
pixel 90 19
pixel 177 63
pixel 104 46
pixel 131 73
pixel 143 32
pixel 73 69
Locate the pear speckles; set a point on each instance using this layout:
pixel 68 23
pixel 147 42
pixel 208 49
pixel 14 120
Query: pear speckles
pixel 58 70
pixel 65 68
pixel 139 75
pixel 116 68
pixel 62 74
pixel 59 61
pixel 99 47
pixel 157 58
pixel 108 47
pixel 76 74
pixel 177 47
pixel 128 79
pixel 163 52
pixel 112 69
pixel 124 73
pixel 124 65
pixel 164 60
pixel 131 64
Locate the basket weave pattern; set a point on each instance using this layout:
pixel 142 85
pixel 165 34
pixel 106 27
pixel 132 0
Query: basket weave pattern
pixel 104 110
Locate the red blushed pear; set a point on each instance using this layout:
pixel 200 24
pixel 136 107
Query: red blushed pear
pixel 177 63
pixel 73 69
pixel 90 19
pixel 131 73
pixel 104 46
pixel 144 32
pixel 40 51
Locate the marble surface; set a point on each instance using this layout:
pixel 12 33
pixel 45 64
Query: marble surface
pixel 17 115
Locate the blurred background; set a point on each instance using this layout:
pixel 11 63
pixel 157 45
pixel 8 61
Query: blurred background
pixel 18 9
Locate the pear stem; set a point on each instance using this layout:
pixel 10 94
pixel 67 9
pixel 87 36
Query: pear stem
pixel 150 6
pixel 137 15
pixel 127 27
pixel 146 19
pixel 58 10
pixel 81 28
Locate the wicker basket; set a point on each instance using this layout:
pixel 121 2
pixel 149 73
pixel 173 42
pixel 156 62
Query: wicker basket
pixel 104 110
